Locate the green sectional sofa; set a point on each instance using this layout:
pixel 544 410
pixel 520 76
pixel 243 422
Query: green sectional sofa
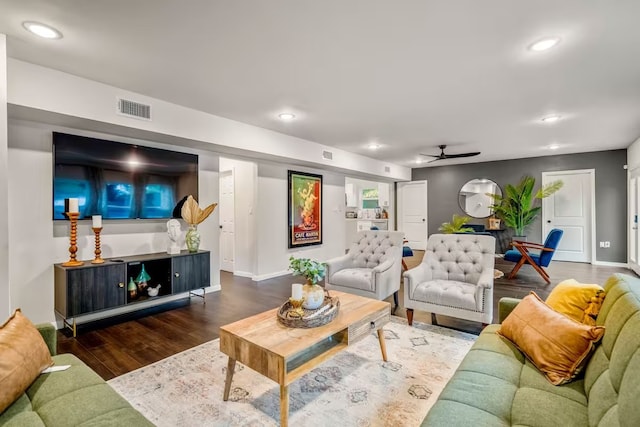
pixel 496 385
pixel 75 397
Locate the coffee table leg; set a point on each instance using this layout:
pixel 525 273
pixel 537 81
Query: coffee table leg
pixel 284 405
pixel 383 346
pixel 231 366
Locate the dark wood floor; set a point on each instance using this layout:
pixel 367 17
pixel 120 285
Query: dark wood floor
pixel 116 349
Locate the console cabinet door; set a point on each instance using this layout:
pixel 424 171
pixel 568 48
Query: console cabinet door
pixel 190 272
pixel 95 288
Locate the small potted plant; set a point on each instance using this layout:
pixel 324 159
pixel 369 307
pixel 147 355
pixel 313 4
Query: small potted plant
pixel 457 225
pixel 314 272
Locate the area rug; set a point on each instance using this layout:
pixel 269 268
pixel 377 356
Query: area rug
pixel 354 388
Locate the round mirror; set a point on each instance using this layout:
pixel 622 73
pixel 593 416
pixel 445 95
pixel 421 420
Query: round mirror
pixel 473 197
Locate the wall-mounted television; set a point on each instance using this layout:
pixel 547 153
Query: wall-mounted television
pixel 119 181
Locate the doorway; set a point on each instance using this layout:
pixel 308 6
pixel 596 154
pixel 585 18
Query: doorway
pixel 571 209
pixel 412 213
pixel 227 220
pixel 634 235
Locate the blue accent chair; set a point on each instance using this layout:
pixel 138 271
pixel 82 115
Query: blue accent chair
pixel 521 255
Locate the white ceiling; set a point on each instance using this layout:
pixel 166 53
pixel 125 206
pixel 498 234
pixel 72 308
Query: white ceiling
pixel 407 74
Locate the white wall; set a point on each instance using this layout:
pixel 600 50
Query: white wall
pixel 44 89
pixel 272 234
pixel 245 206
pixel 37 242
pixel 5 298
pixel 633 155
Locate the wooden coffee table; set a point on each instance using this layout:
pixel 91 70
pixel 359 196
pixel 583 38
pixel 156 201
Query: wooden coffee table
pixel 285 354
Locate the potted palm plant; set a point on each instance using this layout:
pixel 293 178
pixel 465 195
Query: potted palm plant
pixel 517 207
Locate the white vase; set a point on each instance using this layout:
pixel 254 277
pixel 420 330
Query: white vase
pixel 313 296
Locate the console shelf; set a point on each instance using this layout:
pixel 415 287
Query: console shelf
pixel 93 288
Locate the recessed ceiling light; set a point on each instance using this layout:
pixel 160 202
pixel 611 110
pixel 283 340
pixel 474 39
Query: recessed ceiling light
pixel 553 146
pixel 544 44
pixel 373 146
pixel 42 30
pixel 418 161
pixel 551 118
pixel 286 116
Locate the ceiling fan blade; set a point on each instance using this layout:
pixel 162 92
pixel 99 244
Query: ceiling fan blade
pixel 430 155
pixel 455 156
pixel 435 160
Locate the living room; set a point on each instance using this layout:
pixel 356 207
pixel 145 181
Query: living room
pixel 43 93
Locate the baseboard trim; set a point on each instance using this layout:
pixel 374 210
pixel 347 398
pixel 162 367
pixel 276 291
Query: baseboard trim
pixel 260 277
pixel 212 288
pixel 611 264
pixel 243 274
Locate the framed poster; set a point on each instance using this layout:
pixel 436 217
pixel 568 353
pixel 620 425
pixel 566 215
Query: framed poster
pixel 305 209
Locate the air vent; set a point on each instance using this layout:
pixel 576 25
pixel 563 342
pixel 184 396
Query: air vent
pixel 387 169
pixel 134 109
pixel 327 155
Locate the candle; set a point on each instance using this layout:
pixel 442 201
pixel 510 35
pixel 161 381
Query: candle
pixel 73 205
pixel 296 291
pixel 97 221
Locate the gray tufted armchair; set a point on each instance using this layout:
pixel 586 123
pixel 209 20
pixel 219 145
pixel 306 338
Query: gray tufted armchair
pixel 455 278
pixel 372 266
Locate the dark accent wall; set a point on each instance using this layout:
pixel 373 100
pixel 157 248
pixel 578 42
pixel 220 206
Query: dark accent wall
pixel 444 182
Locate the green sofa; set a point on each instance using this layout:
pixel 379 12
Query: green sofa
pixel 75 397
pixel 496 385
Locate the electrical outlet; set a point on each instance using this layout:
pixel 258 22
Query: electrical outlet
pixel 607 244
pixel 602 244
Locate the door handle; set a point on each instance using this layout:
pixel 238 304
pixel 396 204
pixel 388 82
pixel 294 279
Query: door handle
pixel 422 219
pixel 548 221
pixel 176 274
pixel 121 285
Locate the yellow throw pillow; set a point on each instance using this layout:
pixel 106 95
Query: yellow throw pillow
pixel 580 301
pixel 556 344
pixel 23 355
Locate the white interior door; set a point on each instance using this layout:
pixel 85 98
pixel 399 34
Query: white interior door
pixel 412 213
pixel 571 209
pixel 634 233
pixel 227 226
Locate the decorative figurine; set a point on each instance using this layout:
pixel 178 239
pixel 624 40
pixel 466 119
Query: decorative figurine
pixel 142 279
pixel 133 289
pixel 173 231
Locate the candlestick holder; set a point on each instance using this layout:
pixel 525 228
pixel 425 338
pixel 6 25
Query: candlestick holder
pixel 297 307
pixel 98 259
pixel 73 239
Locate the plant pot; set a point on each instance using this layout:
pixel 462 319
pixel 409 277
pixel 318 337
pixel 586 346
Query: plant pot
pixel 520 238
pixel 313 296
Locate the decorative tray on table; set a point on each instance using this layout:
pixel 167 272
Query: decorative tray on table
pixel 305 318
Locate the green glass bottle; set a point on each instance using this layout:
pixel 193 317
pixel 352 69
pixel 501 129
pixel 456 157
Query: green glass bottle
pixel 132 289
pixel 142 279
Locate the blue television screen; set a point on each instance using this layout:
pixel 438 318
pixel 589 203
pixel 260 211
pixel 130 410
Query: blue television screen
pixel 119 181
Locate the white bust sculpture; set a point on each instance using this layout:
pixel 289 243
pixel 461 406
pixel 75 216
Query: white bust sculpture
pixel 173 231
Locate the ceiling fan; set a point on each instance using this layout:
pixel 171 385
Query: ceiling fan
pixel 444 156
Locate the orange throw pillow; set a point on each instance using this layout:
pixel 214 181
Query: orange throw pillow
pixel 23 355
pixel 556 344
pixel 580 301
